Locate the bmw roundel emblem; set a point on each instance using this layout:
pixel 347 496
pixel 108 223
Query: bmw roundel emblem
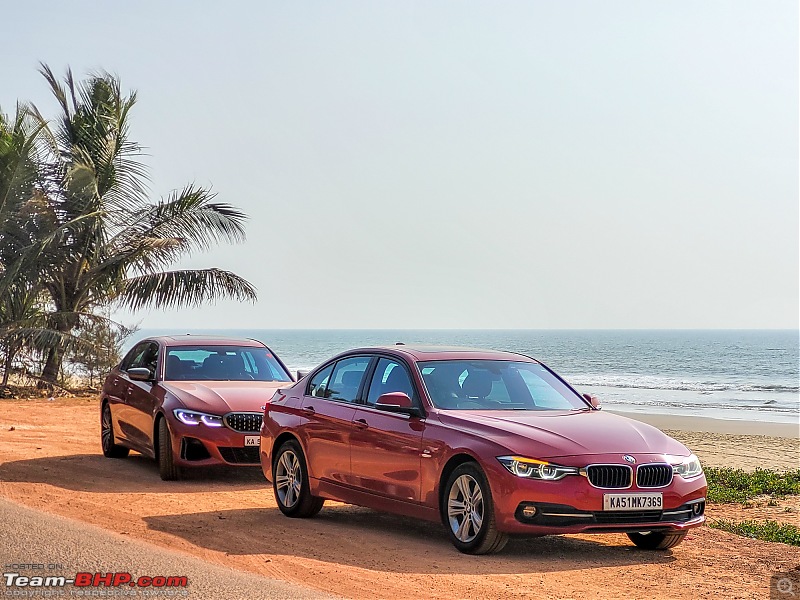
pixel 628 458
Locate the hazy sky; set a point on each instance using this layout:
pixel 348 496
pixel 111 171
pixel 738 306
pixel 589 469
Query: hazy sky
pixel 463 164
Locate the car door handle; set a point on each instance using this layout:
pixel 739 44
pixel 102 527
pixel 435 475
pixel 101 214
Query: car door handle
pixel 360 423
pixel 308 410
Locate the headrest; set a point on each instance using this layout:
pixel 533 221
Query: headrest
pixel 478 384
pixel 398 381
pixel 351 378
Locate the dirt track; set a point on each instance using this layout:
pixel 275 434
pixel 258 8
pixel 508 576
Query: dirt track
pixel 51 460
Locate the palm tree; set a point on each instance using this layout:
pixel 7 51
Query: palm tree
pixel 99 238
pixel 21 297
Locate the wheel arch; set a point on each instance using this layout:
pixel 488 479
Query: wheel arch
pixel 159 415
pixel 451 465
pixel 284 437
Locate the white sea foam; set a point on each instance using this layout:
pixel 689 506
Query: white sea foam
pixel 649 382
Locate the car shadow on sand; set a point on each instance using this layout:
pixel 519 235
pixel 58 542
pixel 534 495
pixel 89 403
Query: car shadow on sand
pixel 360 537
pixel 95 473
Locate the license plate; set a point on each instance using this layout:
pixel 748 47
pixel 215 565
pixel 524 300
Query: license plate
pixel 649 501
pixel 252 440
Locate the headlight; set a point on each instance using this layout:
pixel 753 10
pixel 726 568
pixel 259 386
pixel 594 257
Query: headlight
pixel 688 467
pixel 535 469
pixel 190 417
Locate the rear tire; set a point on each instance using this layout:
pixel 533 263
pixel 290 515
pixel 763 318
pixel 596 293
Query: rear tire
pixel 107 437
pixel 167 468
pixel 468 512
pixel 654 540
pixel 290 483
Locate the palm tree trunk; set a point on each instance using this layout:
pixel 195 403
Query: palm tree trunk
pixel 10 352
pixel 51 367
pixel 55 353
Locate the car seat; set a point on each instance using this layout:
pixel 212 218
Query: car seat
pixel 175 368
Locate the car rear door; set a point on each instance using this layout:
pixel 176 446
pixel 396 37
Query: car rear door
pixel 328 406
pixel 385 447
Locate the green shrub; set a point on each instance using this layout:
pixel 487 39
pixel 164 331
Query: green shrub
pixel 726 485
pixel 769 531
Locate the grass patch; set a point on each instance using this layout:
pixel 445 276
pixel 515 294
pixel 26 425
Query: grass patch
pixel 726 485
pixel 769 531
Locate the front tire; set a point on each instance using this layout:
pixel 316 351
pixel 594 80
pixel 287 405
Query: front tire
pixel 167 468
pixel 107 437
pixel 290 483
pixel 468 512
pixel 654 540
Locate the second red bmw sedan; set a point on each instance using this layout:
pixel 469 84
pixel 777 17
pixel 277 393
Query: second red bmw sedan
pixel 189 401
pixel 489 443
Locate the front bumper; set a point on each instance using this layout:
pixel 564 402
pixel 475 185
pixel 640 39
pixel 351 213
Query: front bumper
pixel 573 505
pixel 562 516
pixel 202 446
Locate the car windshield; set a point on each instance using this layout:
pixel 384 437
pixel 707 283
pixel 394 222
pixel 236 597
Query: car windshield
pixel 223 363
pixel 496 385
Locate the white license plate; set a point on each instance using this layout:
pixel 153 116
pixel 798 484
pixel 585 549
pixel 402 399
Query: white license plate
pixel 252 440
pixel 648 501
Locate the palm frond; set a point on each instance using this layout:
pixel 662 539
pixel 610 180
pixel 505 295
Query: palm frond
pixel 175 289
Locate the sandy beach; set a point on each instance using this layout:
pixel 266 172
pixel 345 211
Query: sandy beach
pixel 728 443
pixel 50 461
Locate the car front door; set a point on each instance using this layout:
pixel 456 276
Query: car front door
pixel 117 392
pixel 328 405
pixel 141 400
pixel 385 447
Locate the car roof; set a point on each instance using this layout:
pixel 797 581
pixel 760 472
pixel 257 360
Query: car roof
pixel 423 352
pixel 204 340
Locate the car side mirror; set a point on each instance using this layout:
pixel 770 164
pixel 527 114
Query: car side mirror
pixel 140 374
pixel 398 402
pixel 593 400
pixel 301 374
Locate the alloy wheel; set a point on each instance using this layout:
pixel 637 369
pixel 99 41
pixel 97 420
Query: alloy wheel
pixel 288 479
pixel 106 433
pixel 465 508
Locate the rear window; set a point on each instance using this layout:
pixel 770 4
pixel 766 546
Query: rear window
pixel 223 363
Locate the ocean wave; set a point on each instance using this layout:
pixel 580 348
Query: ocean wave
pixel 662 383
pixel 789 410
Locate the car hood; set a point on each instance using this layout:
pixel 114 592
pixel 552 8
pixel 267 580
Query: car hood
pixel 554 434
pixel 220 397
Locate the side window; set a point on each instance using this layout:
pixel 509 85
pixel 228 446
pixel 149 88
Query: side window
pixel 134 356
pixel 346 378
pixel 319 384
pixel 147 358
pixel 390 376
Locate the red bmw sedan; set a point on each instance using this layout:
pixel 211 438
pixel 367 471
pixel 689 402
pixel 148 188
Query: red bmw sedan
pixel 189 401
pixel 489 443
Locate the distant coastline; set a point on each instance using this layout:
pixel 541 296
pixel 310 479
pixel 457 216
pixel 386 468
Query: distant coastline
pixel 737 375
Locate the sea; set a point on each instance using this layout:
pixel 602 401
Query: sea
pixel 739 374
